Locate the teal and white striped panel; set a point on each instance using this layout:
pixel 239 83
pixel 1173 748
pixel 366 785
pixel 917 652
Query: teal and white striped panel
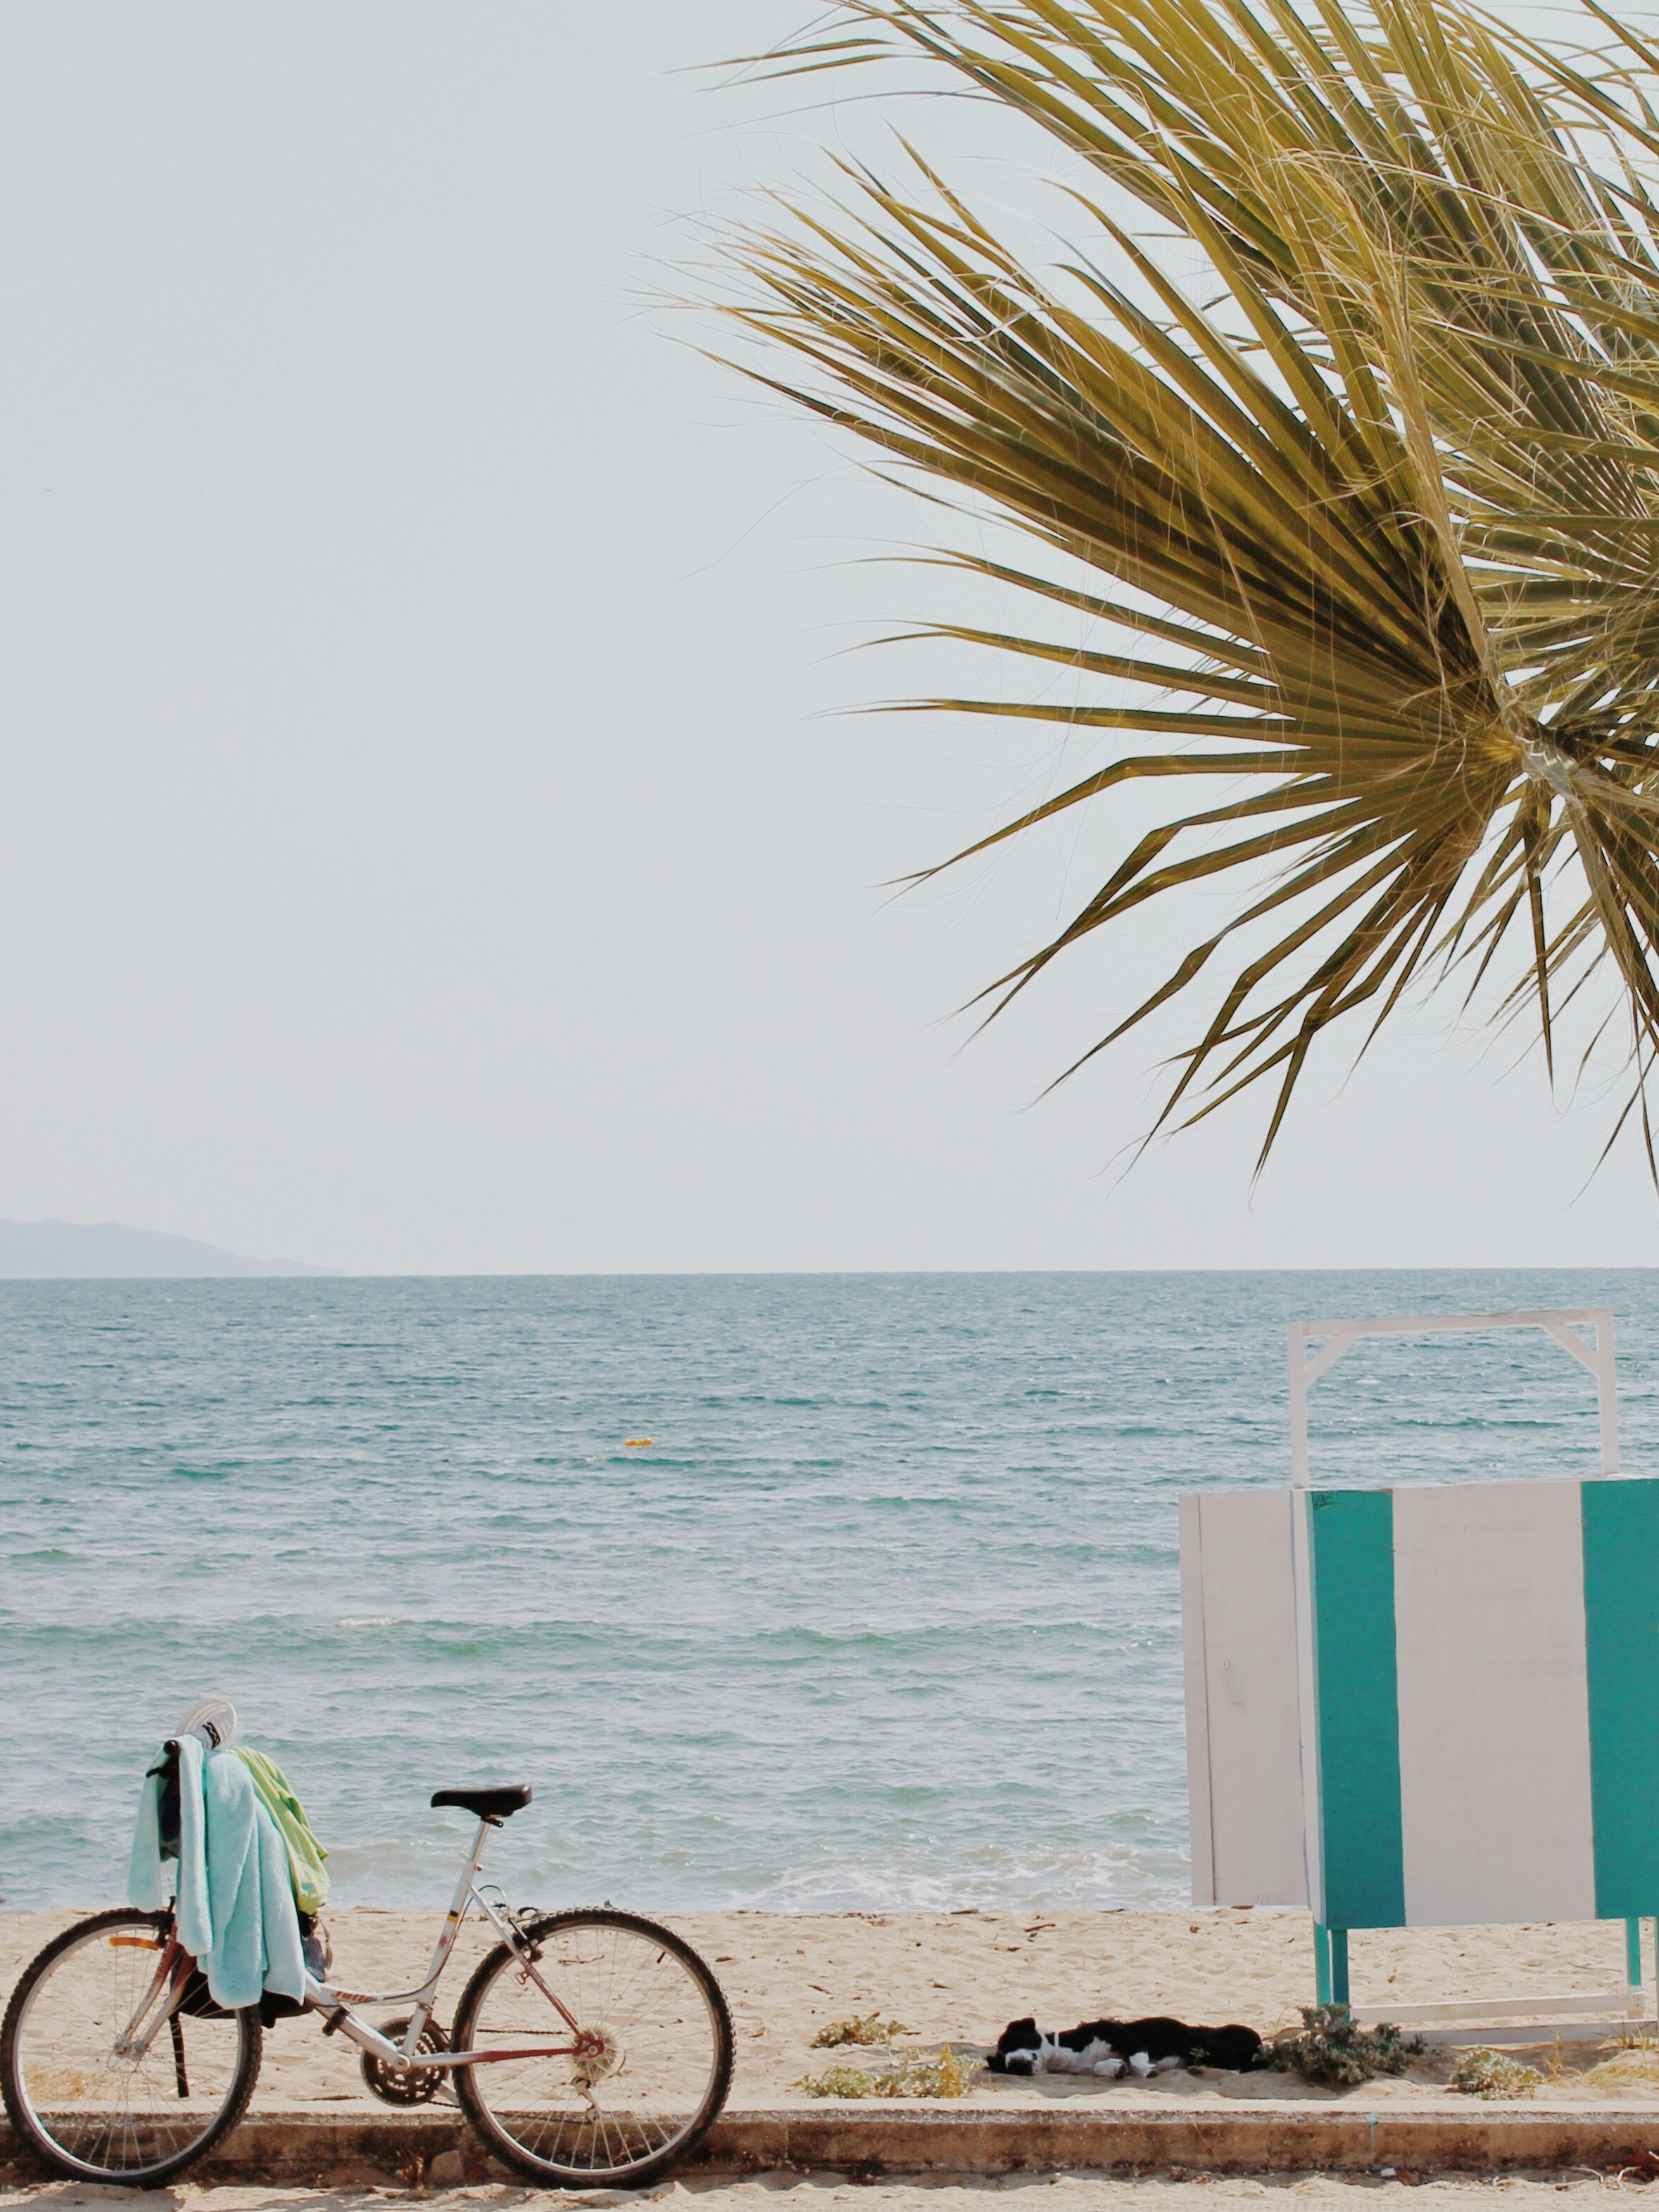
pixel 1485 1680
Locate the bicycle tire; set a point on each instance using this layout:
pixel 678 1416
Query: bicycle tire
pixel 133 2150
pixel 627 2147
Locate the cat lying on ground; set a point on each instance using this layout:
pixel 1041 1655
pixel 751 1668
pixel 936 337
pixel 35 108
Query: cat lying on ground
pixel 1111 2047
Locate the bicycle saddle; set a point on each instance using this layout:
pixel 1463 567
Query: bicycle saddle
pixel 487 1804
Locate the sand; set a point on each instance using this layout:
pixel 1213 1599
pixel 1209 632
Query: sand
pixel 958 1978
pixel 796 2192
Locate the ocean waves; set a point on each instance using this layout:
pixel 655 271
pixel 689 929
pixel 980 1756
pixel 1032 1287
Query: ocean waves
pixel 886 1616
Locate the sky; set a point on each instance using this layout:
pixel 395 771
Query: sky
pixel 434 836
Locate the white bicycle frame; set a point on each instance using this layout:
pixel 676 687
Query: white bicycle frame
pixel 339 2004
pixel 175 1967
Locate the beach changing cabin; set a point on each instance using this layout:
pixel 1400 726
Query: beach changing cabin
pixel 1428 1707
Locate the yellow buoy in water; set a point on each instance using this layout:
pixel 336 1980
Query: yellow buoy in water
pixel 637 1443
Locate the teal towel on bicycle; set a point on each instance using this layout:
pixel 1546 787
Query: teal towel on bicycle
pixel 233 1896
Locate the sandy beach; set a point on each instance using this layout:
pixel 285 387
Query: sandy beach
pixel 958 1978
pixel 810 2192
pixel 795 2192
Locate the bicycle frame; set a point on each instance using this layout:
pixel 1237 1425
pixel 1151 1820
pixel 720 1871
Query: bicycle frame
pixel 176 1966
pixel 173 1972
pixel 339 2004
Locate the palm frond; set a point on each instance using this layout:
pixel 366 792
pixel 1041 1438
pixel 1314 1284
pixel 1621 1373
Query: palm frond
pixel 1380 502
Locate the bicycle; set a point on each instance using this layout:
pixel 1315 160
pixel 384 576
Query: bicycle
pixel 588 2046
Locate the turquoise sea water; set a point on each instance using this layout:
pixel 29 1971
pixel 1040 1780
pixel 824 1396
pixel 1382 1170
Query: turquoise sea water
pixel 887 1616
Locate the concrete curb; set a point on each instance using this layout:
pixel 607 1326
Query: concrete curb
pixel 327 2150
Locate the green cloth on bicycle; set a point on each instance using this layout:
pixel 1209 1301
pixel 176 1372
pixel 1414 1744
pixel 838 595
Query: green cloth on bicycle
pixel 233 1895
pixel 305 1854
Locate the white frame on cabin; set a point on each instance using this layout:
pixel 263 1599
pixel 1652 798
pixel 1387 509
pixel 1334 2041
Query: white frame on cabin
pixel 1562 1324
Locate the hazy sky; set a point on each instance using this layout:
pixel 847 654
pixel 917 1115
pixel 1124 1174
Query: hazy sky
pixel 427 839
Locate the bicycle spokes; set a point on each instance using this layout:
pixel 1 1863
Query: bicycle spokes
pixel 110 2070
pixel 646 2069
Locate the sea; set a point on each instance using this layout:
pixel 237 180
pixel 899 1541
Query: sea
pixel 884 1615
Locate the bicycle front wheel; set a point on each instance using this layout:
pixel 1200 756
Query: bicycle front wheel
pixel 616 2044
pixel 99 2078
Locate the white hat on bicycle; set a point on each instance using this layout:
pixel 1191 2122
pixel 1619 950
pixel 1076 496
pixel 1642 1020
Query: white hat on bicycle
pixel 213 1719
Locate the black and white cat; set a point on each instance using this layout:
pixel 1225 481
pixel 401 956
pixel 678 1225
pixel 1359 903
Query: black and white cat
pixel 1111 2047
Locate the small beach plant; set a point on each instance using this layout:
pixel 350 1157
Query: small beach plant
pixel 866 2027
pixel 1331 2046
pixel 1310 477
pixel 1489 2073
pixel 1636 2065
pixel 949 2073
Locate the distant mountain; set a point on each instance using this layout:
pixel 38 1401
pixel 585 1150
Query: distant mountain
pixel 38 1248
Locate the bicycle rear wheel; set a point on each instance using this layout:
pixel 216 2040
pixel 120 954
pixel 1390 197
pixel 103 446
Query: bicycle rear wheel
pixel 636 2083
pixel 94 2112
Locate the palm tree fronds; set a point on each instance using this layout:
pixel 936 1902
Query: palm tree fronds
pixel 1375 504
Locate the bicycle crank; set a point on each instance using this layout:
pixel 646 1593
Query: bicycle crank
pixel 414 2085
